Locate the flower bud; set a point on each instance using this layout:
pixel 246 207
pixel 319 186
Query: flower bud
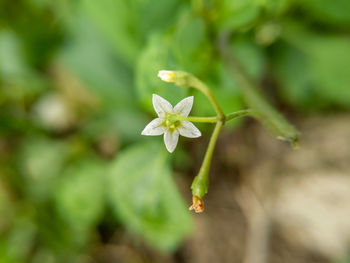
pixel 166 75
pixel 179 78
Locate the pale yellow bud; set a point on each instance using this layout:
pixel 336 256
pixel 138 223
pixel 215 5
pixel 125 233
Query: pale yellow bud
pixel 166 75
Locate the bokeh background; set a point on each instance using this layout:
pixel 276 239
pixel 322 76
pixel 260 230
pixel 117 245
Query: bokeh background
pixel 78 183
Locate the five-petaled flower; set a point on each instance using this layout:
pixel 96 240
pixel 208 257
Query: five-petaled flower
pixel 170 121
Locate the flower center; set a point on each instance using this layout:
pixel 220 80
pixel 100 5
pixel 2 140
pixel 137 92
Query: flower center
pixel 171 121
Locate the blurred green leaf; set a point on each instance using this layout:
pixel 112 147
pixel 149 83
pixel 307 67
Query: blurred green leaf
pixel 330 66
pixel 155 57
pixel 18 242
pixel 37 29
pixel 190 44
pixel 126 124
pixel 80 195
pixel 336 12
pixel 128 23
pixel 144 196
pixel 314 70
pixel 41 161
pixel 296 86
pixel 250 55
pixel 116 19
pixel 17 78
pixel 12 60
pixel 238 14
pixel 276 8
pixel 90 58
pixel 155 15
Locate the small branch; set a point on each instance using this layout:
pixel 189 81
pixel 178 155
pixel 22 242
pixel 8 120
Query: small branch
pixel 186 80
pixel 200 119
pixel 239 113
pixel 265 112
pixel 228 117
pixel 201 181
pixel 196 83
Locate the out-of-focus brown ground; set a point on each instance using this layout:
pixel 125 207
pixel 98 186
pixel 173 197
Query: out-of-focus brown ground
pixel 269 203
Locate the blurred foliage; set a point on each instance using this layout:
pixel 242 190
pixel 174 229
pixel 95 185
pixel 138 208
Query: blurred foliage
pixel 146 200
pixel 76 80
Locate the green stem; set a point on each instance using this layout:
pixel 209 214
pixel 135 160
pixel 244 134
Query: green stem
pixel 228 117
pixel 239 113
pixel 200 119
pixel 196 83
pixel 264 111
pixel 201 181
pixel 187 80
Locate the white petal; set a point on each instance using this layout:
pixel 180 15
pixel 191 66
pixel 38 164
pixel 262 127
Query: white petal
pixel 161 105
pixel 171 139
pixel 184 107
pixel 187 129
pixel 154 128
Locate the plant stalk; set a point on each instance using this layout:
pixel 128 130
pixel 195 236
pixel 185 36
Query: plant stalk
pixel 201 181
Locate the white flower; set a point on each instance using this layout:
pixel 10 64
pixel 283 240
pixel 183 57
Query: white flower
pixel 169 123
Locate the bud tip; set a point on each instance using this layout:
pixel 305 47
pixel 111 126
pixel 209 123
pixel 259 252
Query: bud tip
pixel 166 75
pixel 197 204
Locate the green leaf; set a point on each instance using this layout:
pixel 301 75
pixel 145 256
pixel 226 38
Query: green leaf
pixel 127 24
pixel 17 244
pixel 330 67
pixel 238 14
pixel 253 97
pixel 117 21
pixel 336 12
pixel 250 55
pixel 155 57
pixel 296 87
pixel 12 61
pixel 144 196
pixel 89 58
pixel 125 124
pixel 314 70
pixel 80 195
pixel 18 79
pixel 155 15
pixel 41 161
pixel 190 44
pixel 276 8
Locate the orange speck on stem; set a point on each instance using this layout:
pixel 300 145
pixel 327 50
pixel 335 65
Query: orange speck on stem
pixel 197 204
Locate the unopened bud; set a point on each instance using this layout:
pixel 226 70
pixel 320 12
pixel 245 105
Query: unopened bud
pixel 166 75
pixel 179 78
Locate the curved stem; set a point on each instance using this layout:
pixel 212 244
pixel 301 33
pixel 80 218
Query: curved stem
pixel 201 181
pixel 196 83
pixel 263 110
pixel 187 80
